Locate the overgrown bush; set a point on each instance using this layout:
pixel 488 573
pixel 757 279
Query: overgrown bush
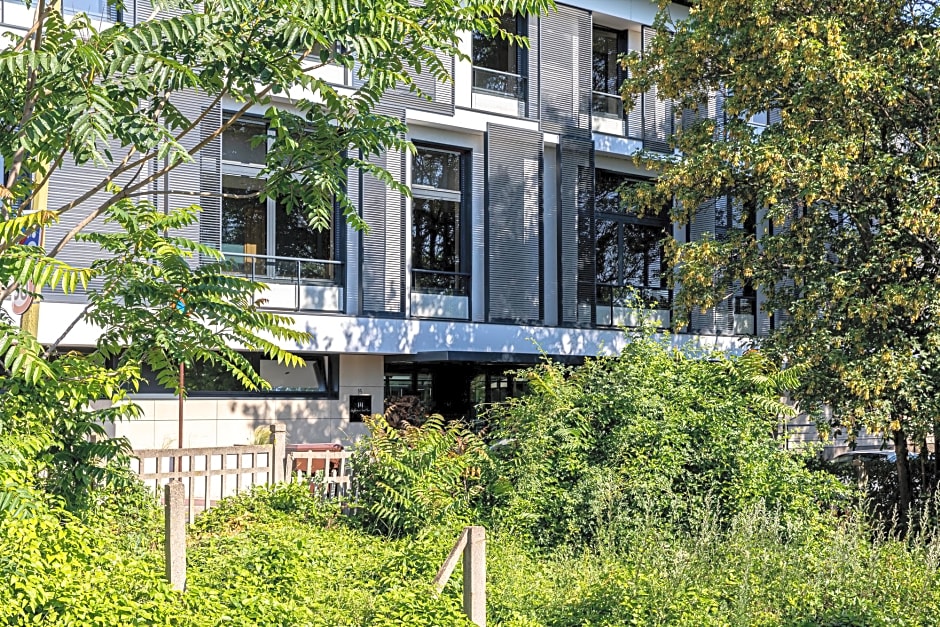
pixel 755 570
pixel 409 478
pixel 654 431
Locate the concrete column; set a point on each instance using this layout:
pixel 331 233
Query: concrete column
pixel 278 451
pixel 174 504
pixel 474 575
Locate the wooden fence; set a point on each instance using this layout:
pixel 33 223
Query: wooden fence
pixel 209 474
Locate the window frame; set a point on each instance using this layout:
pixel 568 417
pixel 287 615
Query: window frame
pixel 330 372
pixel 623 46
pixel 521 75
pixel 659 294
pixel 269 260
pixel 463 239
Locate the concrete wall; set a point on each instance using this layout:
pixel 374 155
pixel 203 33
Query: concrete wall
pixel 229 421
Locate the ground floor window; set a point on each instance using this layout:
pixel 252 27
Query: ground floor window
pixel 317 378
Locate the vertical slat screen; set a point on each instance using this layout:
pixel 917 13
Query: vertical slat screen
pixel 383 247
pixel 210 180
pixel 566 72
pixel 530 107
pixel 513 224
pixel 576 231
pixel 657 113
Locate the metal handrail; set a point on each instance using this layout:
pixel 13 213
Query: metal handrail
pixel 278 258
pixel 519 79
pixel 500 72
pixel 444 272
pixel 295 279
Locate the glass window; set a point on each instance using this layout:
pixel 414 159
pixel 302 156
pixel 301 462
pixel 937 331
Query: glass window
pixel 287 247
pixel 607 75
pixel 437 235
pixel 605 66
pixel 93 8
pixel 244 219
pixel 316 378
pixel 629 250
pixel 245 141
pixel 499 64
pixel 433 168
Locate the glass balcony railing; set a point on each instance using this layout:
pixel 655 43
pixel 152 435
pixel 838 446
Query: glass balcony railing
pixel 500 83
pixel 443 283
pixel 617 305
pixel 607 105
pixel 268 268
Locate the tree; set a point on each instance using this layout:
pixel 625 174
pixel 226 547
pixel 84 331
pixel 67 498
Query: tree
pixel 842 186
pixel 109 97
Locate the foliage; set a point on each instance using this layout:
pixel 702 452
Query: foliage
pixel 842 188
pixel 64 401
pixel 284 568
pixel 654 431
pixel 264 504
pixel 758 570
pixel 58 572
pixel 113 97
pixel 407 478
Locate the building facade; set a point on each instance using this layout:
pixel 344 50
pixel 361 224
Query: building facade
pixel 514 243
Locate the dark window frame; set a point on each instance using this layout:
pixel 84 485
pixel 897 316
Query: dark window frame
pixel 503 82
pixel 622 219
pixel 304 269
pixel 601 101
pixel 330 372
pixel 464 241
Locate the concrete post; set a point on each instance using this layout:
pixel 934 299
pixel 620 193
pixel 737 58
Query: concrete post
pixel 474 575
pixel 174 497
pixel 278 452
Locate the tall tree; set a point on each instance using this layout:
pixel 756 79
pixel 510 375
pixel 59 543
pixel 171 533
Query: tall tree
pixel 108 97
pixel 842 185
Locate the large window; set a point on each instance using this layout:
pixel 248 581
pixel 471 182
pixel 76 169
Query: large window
pixel 317 378
pixel 258 234
pixel 629 257
pixel 499 65
pixel 607 75
pixel 438 251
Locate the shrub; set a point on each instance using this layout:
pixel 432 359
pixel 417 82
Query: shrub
pixel 408 478
pixel 653 431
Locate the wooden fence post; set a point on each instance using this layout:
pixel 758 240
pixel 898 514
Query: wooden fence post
pixel 174 496
pixel 474 575
pixel 278 452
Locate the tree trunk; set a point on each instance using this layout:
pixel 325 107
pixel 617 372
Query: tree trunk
pixel 904 479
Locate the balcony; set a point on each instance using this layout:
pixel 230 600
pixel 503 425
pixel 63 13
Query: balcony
pixel 615 305
pixel 499 92
pixel 437 294
pixel 293 284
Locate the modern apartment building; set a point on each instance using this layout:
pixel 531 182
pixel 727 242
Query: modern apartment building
pixel 513 244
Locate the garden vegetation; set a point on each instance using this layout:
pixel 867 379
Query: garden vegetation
pixel 641 489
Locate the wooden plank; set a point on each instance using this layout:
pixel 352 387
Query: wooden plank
pixel 447 568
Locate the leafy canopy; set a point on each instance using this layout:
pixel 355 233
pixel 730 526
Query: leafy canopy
pixel 843 188
pixel 112 98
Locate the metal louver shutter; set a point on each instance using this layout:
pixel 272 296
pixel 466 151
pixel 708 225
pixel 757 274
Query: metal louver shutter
pixel 383 247
pixel 657 113
pixel 440 92
pixel 513 224
pixel 576 273
pixel 530 107
pixel 566 72
pixel 350 245
pixel 703 321
pixel 184 180
pixel 210 180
